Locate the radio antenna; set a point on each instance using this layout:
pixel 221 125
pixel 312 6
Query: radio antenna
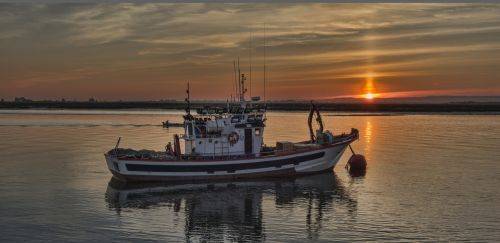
pixel 250 61
pixel 235 82
pixel 188 101
pixel 239 79
pixel 264 62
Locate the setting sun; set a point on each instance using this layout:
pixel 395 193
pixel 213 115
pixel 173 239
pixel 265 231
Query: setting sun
pixel 369 86
pixel 369 96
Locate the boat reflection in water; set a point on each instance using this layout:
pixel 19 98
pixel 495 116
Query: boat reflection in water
pixel 234 210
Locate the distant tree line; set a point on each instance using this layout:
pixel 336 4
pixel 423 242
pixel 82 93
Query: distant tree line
pixel 23 103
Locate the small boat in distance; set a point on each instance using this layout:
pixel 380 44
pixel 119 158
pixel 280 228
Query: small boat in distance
pixel 227 143
pixel 168 124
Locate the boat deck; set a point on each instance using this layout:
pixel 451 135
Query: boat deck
pixel 266 152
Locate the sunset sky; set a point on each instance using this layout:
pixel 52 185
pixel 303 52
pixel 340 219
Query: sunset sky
pixel 149 51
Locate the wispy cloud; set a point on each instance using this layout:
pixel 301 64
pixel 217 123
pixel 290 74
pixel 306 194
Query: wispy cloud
pixel 326 49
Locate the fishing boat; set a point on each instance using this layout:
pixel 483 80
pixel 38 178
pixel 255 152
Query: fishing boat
pixel 227 143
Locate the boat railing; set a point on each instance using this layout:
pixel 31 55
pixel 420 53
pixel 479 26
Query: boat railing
pixel 266 151
pixel 218 157
pixel 187 137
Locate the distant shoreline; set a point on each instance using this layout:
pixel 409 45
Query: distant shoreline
pixel 272 106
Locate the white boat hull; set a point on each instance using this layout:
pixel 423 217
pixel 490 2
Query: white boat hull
pixel 306 162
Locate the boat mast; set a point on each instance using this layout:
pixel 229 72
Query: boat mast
pixel 188 103
pixel 233 96
pixel 264 63
pixel 250 61
pixel 242 79
pixel 243 89
pixel 239 79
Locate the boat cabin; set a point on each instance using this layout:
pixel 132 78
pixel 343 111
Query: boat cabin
pixel 237 129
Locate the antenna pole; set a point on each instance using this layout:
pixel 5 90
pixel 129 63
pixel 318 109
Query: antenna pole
pixel 188 101
pixel 243 88
pixel 235 82
pixel 239 79
pixel 250 57
pixel 264 62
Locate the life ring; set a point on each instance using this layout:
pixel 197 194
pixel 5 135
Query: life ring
pixel 233 138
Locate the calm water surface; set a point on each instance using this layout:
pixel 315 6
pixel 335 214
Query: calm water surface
pixel 430 177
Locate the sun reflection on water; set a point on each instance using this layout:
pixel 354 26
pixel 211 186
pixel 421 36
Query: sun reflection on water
pixel 368 135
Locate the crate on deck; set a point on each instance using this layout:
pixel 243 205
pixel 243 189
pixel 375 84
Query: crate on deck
pixel 284 146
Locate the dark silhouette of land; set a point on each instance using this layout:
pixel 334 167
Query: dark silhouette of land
pixel 360 106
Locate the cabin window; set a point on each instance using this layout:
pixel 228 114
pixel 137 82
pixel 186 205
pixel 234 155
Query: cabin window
pixel 236 118
pixel 210 140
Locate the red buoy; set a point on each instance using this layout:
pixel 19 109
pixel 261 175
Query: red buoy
pixel 357 162
pixel 356 165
